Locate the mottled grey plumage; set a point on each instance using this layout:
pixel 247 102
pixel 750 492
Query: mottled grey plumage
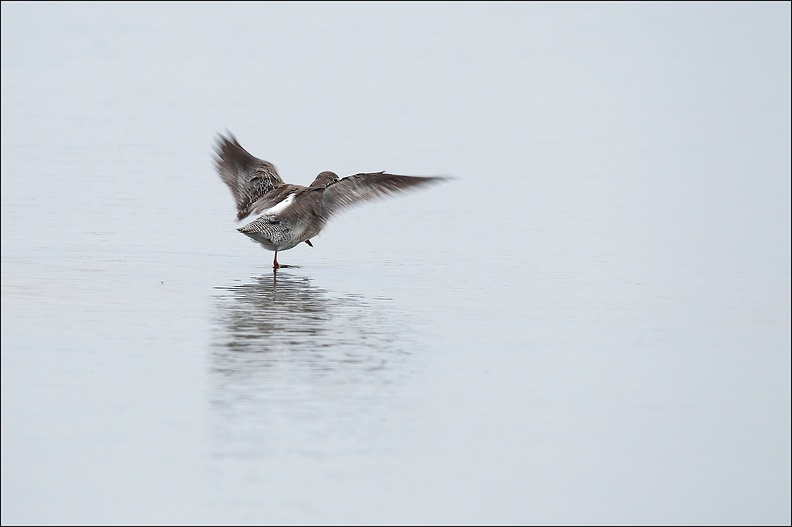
pixel 291 214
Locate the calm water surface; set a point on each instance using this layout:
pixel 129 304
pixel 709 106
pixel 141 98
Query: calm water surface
pixel 589 324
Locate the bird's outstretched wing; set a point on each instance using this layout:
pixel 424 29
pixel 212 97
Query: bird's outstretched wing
pixel 368 186
pixel 248 177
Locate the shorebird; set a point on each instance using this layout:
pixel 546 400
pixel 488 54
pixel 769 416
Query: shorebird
pixel 287 214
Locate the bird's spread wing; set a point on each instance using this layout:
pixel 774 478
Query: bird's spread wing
pixel 368 186
pixel 248 177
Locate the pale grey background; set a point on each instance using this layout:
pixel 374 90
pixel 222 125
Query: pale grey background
pixel 590 324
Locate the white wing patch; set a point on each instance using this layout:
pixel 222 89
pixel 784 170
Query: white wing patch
pixel 280 207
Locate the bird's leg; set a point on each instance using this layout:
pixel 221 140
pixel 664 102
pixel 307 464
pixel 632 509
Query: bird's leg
pixel 275 263
pixel 309 242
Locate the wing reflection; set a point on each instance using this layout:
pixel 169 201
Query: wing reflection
pixel 292 362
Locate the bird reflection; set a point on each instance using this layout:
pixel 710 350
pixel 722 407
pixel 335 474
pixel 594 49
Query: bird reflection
pixel 292 362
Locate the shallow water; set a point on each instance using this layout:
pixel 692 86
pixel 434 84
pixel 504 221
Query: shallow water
pixel 589 324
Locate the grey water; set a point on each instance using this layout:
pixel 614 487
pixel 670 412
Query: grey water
pixel 588 324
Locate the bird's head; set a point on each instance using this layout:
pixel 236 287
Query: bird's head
pixel 324 179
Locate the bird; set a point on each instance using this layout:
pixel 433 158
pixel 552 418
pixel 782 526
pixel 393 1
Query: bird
pixel 286 214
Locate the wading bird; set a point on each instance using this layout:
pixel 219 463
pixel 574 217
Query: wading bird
pixel 287 214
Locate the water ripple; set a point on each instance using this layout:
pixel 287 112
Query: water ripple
pixel 295 367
